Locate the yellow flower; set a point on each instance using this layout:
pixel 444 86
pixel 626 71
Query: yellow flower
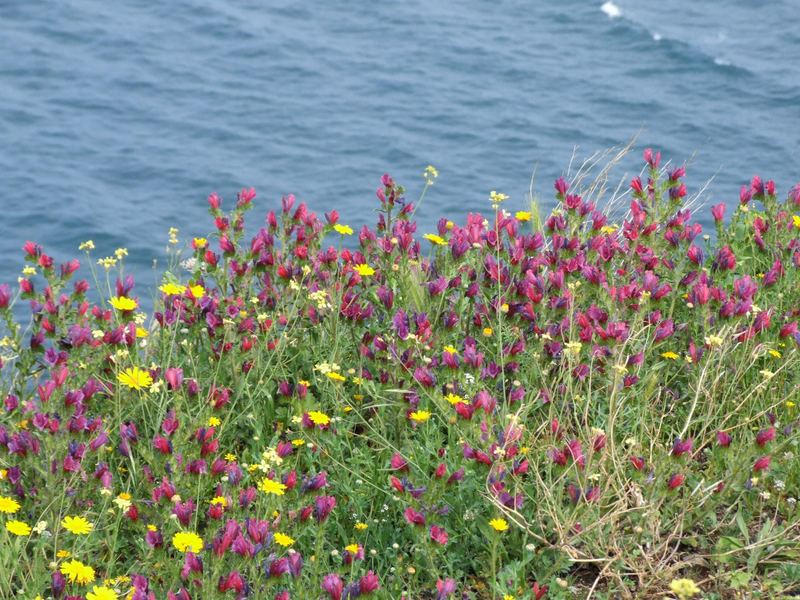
pixel 450 350
pixel 107 262
pixel 152 527
pixel 430 174
pixel 101 593
pixel 63 554
pixel 221 500
pixel 123 303
pixel 187 541
pixel 487 331
pixel 775 353
pixel 454 399
pixel 123 500
pixel 18 528
pixel 670 355
pixel 352 548
pixel 8 505
pixel 496 198
pixel 141 332
pixel 135 378
pixel 608 229
pixel 335 376
pixel 523 216
pixel 796 221
pixel 120 252
pixel 420 416
pixel 435 239
pixel 77 572
pixel 172 289
pixel 508 597
pixel 360 526
pixel 573 348
pixel 684 588
pixel 298 442
pixel 343 229
pixel 269 486
pixel 213 421
pixel 77 525
pixel 200 242
pixel 283 540
pixel 499 524
pixel 318 418
pixel 364 270
pixel 87 245
pixel 197 291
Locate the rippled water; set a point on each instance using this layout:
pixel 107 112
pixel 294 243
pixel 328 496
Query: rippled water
pixel 118 118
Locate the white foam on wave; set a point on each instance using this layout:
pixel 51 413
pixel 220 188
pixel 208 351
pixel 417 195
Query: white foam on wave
pixel 722 62
pixel 611 9
pixel 657 36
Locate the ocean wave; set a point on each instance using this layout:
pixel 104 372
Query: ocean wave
pixel 612 10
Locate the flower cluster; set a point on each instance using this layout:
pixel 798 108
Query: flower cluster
pixel 475 411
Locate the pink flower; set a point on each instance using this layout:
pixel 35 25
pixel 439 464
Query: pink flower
pixel 539 592
pixel 438 535
pixel 368 583
pixel 398 463
pixel 332 584
pixel 637 462
pixel 764 436
pixel 682 447
pixel 233 582
pixel 414 517
pixel 676 481
pixel 561 186
pixel 695 254
pixel 445 589
pixel 652 159
pixel 762 464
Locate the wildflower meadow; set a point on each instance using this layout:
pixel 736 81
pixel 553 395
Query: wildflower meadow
pixel 599 402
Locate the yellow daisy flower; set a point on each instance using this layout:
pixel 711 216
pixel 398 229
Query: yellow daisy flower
pixel 77 525
pixel 419 416
pixel 364 270
pixel 343 229
pixel 269 486
pixel 318 418
pixel 123 303
pixel 499 524
pixel 77 572
pixel 172 289
pixel 283 540
pixel 435 239
pixel 102 593
pixel 135 378
pixel 187 541
pixel 18 528
pixel 8 505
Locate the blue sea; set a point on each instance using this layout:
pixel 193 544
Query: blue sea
pixel 117 119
